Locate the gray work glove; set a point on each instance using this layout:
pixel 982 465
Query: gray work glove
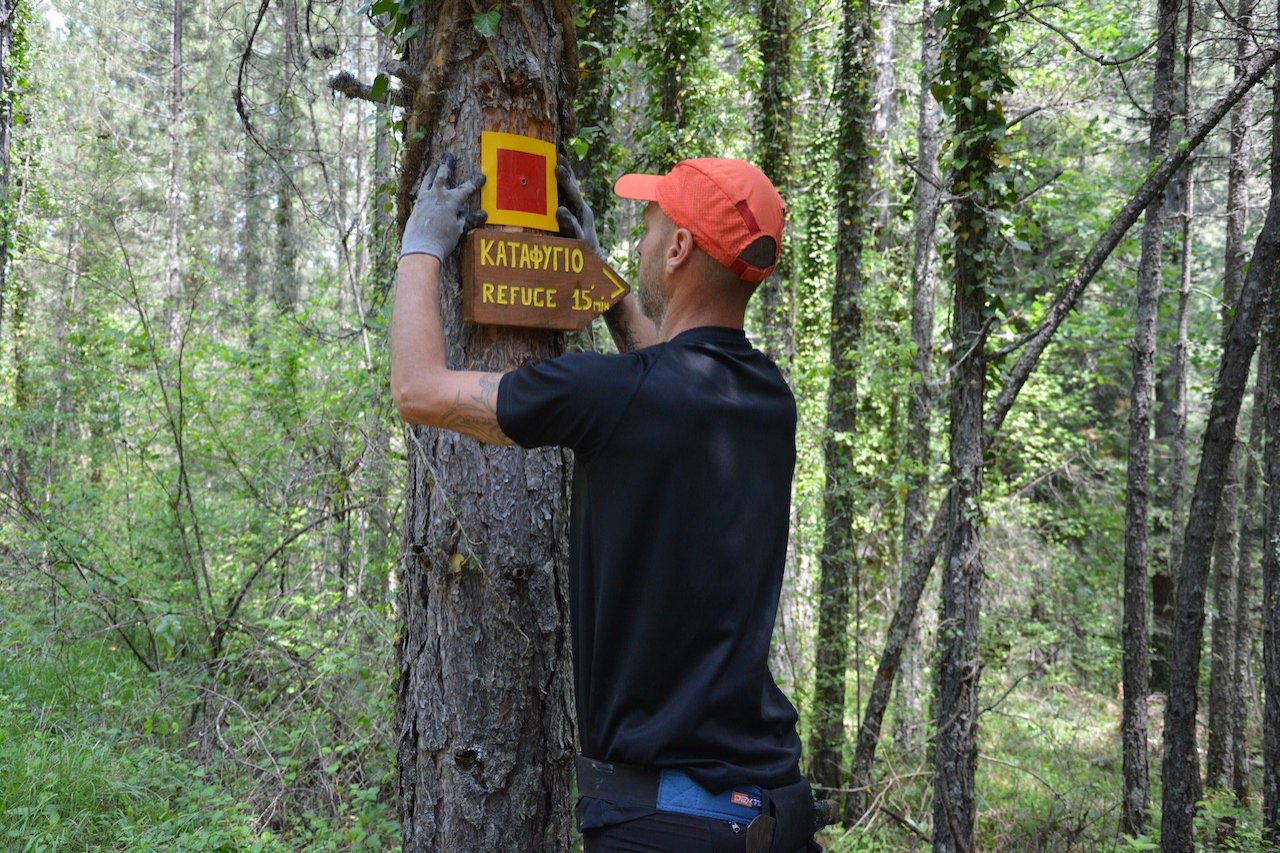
pixel 574 215
pixel 439 217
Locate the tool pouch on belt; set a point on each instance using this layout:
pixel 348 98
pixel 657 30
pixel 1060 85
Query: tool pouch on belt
pixel 790 809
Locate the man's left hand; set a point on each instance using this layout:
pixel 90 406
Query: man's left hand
pixel 575 216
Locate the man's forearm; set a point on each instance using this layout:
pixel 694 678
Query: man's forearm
pixel 630 328
pixel 425 390
pixel 417 335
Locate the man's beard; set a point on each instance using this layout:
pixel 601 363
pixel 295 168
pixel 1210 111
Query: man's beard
pixel 653 301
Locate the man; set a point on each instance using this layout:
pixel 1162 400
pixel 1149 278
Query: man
pixel 684 452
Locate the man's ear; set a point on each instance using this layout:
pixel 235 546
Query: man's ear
pixel 680 248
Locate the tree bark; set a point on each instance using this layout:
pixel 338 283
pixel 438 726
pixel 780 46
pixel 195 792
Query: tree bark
pixel 678 42
pixel 1226 694
pixel 596 171
pixel 902 653
pixel 483 711
pixel 853 91
pixel 1271 572
pixel 1250 521
pixel 173 191
pixel 1271 539
pixel 972 62
pixel 1137 489
pixel 777 311
pixel 1180 764
pixel 8 93
pixel 1252 533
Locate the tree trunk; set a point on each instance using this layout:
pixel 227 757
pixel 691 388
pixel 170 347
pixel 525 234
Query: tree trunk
pixel 777 310
pixel 173 192
pixel 1250 521
pixel 596 171
pixel 827 735
pixel 484 702
pixel 1226 695
pixel 1271 572
pixel 902 653
pixel 884 102
pixel 8 94
pixel 972 62
pixel 1180 767
pixel 1271 540
pixel 677 43
pixel 1137 491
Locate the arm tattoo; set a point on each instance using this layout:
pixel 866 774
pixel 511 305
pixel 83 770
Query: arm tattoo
pixel 623 335
pixel 477 415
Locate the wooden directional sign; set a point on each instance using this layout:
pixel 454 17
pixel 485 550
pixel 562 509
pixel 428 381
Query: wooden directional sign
pixel 510 278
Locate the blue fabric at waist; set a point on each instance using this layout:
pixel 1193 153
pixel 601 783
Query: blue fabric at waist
pixel 677 792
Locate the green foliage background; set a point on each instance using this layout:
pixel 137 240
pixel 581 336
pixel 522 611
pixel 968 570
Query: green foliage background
pixel 199 501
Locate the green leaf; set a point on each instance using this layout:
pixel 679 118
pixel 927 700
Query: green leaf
pixel 379 88
pixel 486 23
pixel 384 7
pixel 941 91
pixel 410 33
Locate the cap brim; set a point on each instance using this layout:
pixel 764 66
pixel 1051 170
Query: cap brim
pixel 638 187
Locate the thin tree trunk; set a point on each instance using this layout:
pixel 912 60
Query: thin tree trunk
pixel 827 735
pixel 1271 540
pixel 1226 695
pixel 8 207
pixel 902 654
pixel 884 101
pixel 774 296
pixel 483 709
pixel 595 108
pixel 375 585
pixel 1223 692
pixel 1252 532
pixel 677 42
pixel 1137 491
pixel 1250 521
pixel 1180 767
pixel 173 192
pixel 1271 571
pixel 972 61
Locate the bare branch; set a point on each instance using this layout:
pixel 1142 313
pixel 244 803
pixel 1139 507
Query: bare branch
pixel 346 83
pixel 409 77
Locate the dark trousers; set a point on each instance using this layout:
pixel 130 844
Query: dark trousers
pixel 666 832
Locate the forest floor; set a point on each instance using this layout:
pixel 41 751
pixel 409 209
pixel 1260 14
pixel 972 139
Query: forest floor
pixel 97 753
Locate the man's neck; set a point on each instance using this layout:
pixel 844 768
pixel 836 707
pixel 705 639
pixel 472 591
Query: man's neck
pixel 688 311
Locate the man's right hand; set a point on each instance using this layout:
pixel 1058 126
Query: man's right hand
pixel 438 219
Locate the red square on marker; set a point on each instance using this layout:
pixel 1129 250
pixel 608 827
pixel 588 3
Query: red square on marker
pixel 522 181
pixel 521 189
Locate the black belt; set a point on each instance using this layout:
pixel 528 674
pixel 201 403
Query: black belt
pixel 617 783
pixel 665 789
pixel 780 821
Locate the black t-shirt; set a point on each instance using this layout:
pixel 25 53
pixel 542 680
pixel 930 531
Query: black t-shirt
pixel 684 453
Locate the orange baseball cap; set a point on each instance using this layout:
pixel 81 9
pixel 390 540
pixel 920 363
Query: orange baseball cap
pixel 727 205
